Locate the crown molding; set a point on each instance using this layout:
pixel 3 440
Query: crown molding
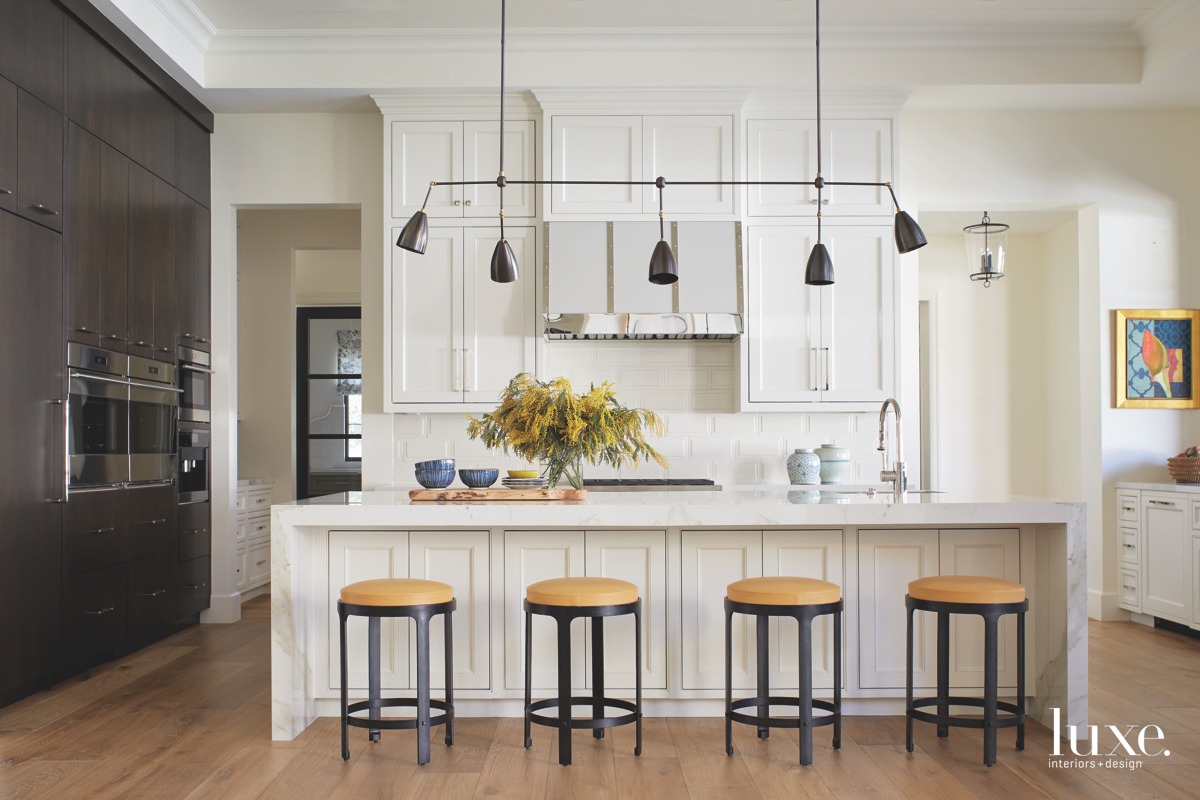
pixel 791 104
pixel 448 102
pixel 190 20
pixel 659 99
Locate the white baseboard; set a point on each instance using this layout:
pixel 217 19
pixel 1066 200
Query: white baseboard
pixel 257 591
pixel 224 609
pixel 1105 606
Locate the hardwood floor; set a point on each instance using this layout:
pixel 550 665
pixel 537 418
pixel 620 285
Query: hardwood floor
pixel 189 718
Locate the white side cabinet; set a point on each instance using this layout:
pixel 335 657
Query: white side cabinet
pixel 1166 552
pixel 819 344
pixel 253 534
pixel 1129 550
pixel 456 336
pixel 439 555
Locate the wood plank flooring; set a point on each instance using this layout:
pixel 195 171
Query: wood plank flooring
pixel 189 719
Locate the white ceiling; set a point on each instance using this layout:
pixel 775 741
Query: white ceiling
pixel 278 55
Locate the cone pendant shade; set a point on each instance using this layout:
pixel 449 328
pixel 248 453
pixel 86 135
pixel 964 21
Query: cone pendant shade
pixel 504 263
pixel 415 234
pixel 909 235
pixel 662 265
pixel 820 267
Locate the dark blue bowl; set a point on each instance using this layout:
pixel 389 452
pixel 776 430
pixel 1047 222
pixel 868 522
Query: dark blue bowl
pixel 478 478
pixel 435 478
pixel 437 463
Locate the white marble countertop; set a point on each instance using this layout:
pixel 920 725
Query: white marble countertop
pixel 1166 486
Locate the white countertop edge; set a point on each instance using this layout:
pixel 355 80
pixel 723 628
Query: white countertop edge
pixel 1189 488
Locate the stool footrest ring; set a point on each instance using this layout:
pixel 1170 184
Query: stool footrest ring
pixel 783 722
pixel 1016 717
pixel 394 723
pixel 592 723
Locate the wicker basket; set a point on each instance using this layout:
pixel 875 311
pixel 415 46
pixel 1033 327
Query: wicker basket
pixel 1184 469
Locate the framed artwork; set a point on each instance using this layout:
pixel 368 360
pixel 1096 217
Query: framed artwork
pixel 1156 358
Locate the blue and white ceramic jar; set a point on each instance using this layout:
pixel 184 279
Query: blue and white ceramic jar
pixel 804 467
pixel 835 463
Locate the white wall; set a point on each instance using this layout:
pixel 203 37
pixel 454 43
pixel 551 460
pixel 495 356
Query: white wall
pixel 1133 177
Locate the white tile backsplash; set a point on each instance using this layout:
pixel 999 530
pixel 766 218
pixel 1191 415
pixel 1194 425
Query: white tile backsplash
pixel 691 385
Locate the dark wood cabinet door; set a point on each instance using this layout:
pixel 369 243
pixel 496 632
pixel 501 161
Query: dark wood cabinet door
pixel 202 314
pixel 95 615
pixel 194 157
pixel 163 246
pixel 31 48
pixel 195 592
pixel 185 268
pixel 153 589
pixel 40 150
pixel 8 145
pixel 153 520
pixel 84 236
pixel 195 538
pixel 143 244
pixel 32 471
pixel 113 255
pixel 97 530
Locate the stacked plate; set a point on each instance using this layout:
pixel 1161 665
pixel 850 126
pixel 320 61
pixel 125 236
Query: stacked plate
pixel 525 483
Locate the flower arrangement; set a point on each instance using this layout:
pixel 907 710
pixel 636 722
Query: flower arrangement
pixel 548 421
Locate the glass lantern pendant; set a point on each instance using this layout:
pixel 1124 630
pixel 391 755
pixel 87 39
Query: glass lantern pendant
pixel 987 243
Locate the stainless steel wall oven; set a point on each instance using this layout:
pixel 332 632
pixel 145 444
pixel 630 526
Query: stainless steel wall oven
pixel 195 383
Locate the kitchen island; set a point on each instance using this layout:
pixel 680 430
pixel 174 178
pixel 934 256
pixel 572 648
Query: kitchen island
pixel 681 549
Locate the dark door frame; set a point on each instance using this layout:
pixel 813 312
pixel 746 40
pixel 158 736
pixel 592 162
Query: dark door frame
pixel 305 314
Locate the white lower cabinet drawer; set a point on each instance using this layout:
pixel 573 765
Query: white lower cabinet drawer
pixel 1129 591
pixel 258 564
pixel 1129 546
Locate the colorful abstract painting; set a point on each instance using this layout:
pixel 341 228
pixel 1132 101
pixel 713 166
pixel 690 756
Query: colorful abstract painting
pixel 1156 352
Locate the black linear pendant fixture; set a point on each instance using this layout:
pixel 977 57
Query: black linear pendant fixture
pixel 663 271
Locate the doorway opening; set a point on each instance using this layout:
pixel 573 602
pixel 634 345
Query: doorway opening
pixel 328 400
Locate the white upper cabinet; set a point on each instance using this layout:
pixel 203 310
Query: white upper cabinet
pixel 457 337
pixel 607 147
pixel 857 150
pixel 421 152
pixel 808 344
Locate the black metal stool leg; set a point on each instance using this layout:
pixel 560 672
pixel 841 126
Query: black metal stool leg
pixel 728 680
pixel 373 673
pixel 908 685
pixel 449 631
pixel 805 693
pixel 345 680
pixel 528 673
pixel 990 679
pixel 598 673
pixel 943 673
pixel 637 675
pixel 837 679
pixel 1021 679
pixel 422 690
pixel 564 691
pixel 764 672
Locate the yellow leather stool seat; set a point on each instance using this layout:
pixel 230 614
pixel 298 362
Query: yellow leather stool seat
pixel 397 592
pixel 966 589
pixel 783 591
pixel 580 592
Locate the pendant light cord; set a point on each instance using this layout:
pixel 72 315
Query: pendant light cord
pixel 500 183
pixel 820 181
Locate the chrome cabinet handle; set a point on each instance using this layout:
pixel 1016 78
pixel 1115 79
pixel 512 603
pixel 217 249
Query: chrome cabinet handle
pixel 140 343
pixel 101 611
pixel 94 531
pixel 458 369
pixel 468 365
pixel 152 521
pixel 812 368
pixel 828 366
pixel 66 470
pixel 42 209
pixel 5 191
pixel 114 337
pixel 259 563
pixel 194 586
pixel 155 593
pixel 1163 503
pixel 824 202
pixel 187 336
pixel 86 329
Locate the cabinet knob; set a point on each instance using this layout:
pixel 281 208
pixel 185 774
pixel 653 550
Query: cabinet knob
pixel 468 202
pixel 458 202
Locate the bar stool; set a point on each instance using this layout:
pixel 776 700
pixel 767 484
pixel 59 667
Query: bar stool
pixel 990 598
pixel 399 597
pixel 804 599
pixel 566 599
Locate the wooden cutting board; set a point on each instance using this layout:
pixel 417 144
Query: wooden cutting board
pixel 418 495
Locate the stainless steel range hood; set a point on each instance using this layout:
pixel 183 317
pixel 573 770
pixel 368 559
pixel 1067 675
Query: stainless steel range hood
pixel 595 281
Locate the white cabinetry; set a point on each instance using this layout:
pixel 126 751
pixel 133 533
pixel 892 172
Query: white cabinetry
pixel 1166 556
pixel 808 344
pixel 887 561
pixel 1129 547
pixel 253 534
pixel 858 150
pixel 448 556
pixel 635 556
pixel 610 147
pixel 424 151
pixel 714 559
pixel 456 336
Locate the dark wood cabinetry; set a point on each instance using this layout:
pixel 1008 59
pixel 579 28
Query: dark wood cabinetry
pixel 32 472
pixel 192 274
pixel 195 593
pixel 151 276
pixel 40 162
pixel 97 531
pixel 153 598
pixel 194 160
pixel 195 538
pixel 95 615
pixel 31 48
pixel 153 520
pixel 8 145
pixel 194 562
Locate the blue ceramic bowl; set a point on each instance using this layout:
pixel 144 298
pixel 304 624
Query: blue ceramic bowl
pixel 437 463
pixel 478 478
pixel 435 478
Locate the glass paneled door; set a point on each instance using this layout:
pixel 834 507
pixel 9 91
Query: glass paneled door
pixel 328 400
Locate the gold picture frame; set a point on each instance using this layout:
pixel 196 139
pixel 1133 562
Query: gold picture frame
pixel 1157 358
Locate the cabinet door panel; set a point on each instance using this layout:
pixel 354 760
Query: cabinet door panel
pixel 781 150
pixel 887 561
pixel 31 48
pixel 153 520
pixel 97 530
pixel 529 557
pixel 422 152
pixel 426 336
pixel 152 599
pixel 459 558
pixel 858 151
pixel 85 235
pixel 481 161
pixel 782 316
pixel 996 554
pixel 95 615
pixel 639 557
pixel 114 245
pixel 688 148
pixel 1196 580
pixel 805 554
pixel 711 561
pixel 858 315
pixel 165 199
pixel 195 587
pixel 8 145
pixel 194 537
pixel 596 148
pixel 499 318
pixel 1166 577
pixel 360 556
pixel 187 211
pixel 40 148
pixel 142 235
pixel 194 159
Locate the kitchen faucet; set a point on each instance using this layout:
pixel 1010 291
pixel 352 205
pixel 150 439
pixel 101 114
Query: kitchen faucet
pixel 897 474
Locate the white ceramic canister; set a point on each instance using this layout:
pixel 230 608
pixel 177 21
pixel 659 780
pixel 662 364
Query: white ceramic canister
pixel 804 467
pixel 835 463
